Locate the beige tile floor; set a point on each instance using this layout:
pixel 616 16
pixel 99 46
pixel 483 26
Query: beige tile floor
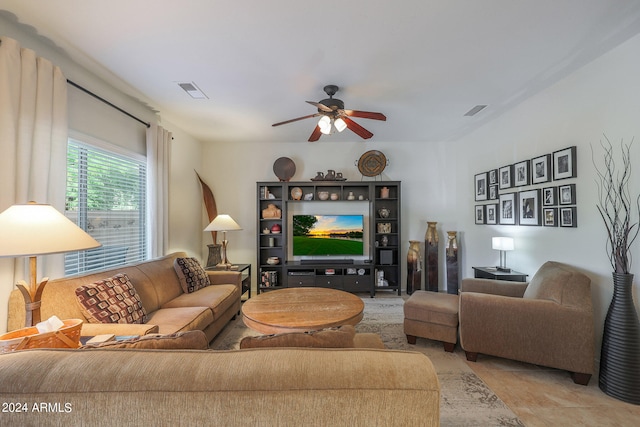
pixel 548 397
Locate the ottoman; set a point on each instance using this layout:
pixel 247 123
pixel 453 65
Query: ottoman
pixel 432 315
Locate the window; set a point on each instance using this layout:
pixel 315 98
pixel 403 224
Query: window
pixel 106 197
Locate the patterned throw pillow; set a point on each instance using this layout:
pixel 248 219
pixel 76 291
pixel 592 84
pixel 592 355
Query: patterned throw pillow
pixel 112 300
pixel 191 274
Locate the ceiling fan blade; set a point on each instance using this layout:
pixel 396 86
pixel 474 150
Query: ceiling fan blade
pixel 356 128
pixel 320 106
pixel 365 114
pixel 315 135
pixel 295 120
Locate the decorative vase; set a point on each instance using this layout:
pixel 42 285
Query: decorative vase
pixel 620 353
pixel 414 270
pixel 431 249
pixel 452 263
pixel 384 193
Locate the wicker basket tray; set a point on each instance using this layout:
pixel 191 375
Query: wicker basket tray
pixel 68 336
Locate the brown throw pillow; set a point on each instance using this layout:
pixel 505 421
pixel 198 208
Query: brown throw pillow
pixel 191 274
pixel 340 337
pixel 112 300
pixel 189 340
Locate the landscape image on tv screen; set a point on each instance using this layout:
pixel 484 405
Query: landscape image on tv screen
pixel 325 235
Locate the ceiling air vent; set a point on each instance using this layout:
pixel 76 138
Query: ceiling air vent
pixel 475 110
pixel 193 90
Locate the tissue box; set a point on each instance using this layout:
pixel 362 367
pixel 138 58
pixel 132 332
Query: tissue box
pixel 68 336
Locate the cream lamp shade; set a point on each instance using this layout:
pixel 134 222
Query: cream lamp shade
pixel 38 229
pixel 503 244
pixel 224 223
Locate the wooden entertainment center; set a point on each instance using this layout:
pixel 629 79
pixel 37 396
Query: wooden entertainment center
pixel 378 269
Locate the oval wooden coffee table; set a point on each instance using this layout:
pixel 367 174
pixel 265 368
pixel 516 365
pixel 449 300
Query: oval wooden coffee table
pixel 301 309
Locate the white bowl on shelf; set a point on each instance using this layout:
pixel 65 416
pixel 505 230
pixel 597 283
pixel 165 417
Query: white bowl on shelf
pixel 273 260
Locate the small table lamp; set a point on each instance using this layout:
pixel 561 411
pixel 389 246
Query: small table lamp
pixel 223 223
pixel 38 229
pixel 503 244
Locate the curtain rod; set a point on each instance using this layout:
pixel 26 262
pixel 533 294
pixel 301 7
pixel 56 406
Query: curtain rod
pixel 87 91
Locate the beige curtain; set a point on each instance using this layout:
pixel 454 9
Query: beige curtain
pixel 33 143
pixel 158 157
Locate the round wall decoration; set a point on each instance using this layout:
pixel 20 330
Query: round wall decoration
pixel 284 168
pixel 372 163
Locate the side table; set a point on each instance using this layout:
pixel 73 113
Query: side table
pixel 245 269
pixel 495 274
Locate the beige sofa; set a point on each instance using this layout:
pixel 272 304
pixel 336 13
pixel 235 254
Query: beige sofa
pixel 252 387
pixel 168 307
pixel 548 321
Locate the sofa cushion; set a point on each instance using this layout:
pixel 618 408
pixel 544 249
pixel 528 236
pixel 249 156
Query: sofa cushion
pixel 196 340
pixel 112 300
pixel 172 320
pixel 340 337
pixel 217 297
pixel 191 274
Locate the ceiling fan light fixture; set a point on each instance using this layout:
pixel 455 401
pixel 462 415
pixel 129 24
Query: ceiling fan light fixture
pixel 325 125
pixel 340 124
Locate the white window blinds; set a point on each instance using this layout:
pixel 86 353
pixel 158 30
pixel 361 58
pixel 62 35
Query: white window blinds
pixel 106 197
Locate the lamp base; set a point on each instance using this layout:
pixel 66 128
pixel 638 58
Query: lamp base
pixel 504 269
pixel 33 302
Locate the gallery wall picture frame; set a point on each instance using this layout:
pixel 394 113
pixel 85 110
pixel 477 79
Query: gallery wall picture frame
pixel 521 174
pixel 480 214
pixel 491 214
pixel 549 196
pixel 529 207
pixel 567 194
pixel 550 217
pixel 480 181
pixel 493 176
pixel 564 163
pixel 505 177
pixel 508 209
pixel 493 192
pixel 568 217
pixel 541 169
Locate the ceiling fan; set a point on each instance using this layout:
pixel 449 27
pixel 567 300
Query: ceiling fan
pixel 334 116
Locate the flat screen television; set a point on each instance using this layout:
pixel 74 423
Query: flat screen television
pixel 328 235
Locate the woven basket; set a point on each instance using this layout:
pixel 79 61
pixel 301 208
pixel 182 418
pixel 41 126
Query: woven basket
pixel 68 336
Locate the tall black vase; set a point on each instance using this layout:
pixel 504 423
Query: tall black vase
pixel 620 354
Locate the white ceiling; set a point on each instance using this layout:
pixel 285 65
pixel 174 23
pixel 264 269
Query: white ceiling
pixel 423 63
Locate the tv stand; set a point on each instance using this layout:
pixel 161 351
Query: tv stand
pixel 381 272
pixel 326 261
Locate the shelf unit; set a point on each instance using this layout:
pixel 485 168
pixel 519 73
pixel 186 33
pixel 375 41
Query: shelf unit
pixel 361 276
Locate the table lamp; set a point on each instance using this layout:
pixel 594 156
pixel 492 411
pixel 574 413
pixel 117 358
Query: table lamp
pixel 223 223
pixel 503 244
pixel 38 229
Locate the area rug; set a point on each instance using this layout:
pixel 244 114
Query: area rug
pixel 465 399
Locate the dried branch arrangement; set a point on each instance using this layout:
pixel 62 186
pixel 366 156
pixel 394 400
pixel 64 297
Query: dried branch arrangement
pixel 618 208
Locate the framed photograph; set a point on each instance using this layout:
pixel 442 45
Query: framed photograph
pixel 550 217
pixel 568 217
pixel 508 209
pixel 505 177
pixel 564 163
pixel 493 176
pixel 481 186
pixel 493 192
pixel 549 196
pixel 567 194
pixel 521 174
pixel 529 202
pixel 480 219
pixel 541 169
pixel 491 214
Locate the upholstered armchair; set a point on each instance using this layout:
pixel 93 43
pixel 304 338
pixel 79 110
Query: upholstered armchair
pixel 548 321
